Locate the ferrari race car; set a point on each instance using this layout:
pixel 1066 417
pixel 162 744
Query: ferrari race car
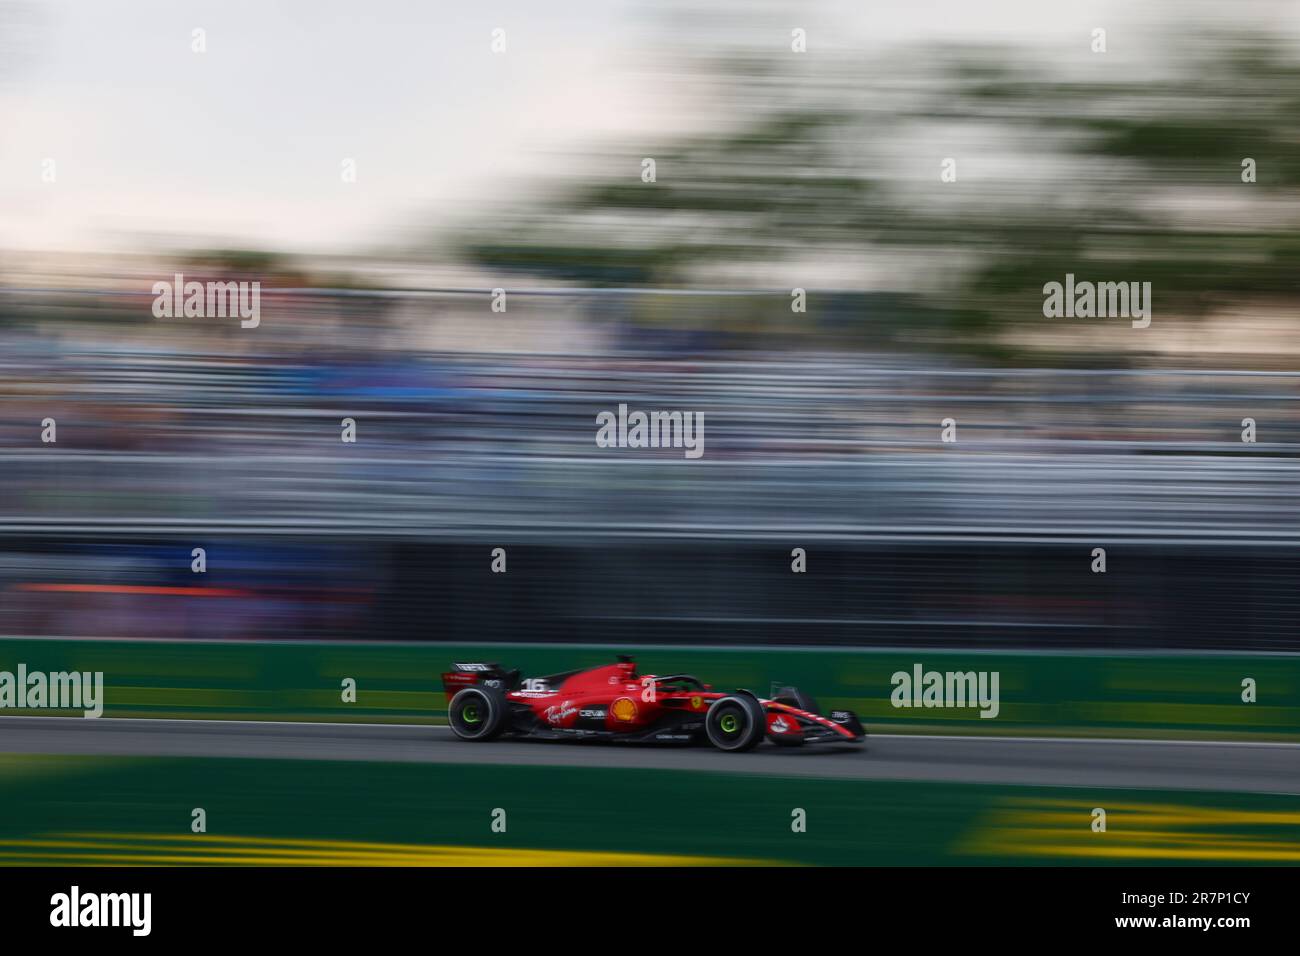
pixel 614 702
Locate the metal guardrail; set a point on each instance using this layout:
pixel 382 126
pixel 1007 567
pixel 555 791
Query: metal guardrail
pixel 1094 497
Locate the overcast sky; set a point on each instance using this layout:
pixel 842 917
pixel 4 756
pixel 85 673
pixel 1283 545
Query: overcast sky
pixel 244 143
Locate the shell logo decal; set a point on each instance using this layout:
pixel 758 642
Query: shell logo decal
pixel 623 709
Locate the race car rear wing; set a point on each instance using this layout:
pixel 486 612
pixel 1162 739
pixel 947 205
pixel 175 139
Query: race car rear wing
pixel 467 674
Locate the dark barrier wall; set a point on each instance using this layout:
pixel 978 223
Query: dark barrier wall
pixel 700 592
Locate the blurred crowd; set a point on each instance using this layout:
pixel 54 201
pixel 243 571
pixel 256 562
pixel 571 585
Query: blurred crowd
pixel 173 436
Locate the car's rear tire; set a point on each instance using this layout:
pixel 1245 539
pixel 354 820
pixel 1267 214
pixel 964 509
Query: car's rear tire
pixel 735 724
pixel 477 713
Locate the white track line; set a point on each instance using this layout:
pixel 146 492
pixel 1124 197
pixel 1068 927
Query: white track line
pixel 288 724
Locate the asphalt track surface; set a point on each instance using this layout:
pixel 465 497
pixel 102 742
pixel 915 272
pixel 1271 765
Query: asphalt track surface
pixel 1053 761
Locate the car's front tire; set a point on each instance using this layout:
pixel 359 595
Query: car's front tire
pixel 477 713
pixel 736 723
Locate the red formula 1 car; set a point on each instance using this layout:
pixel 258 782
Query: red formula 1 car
pixel 614 702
